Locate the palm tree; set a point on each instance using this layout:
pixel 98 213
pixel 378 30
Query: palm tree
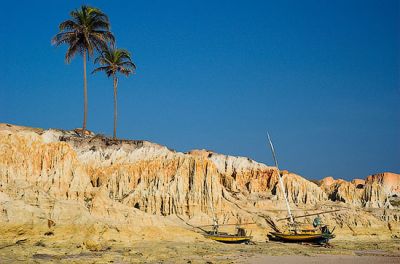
pixel 86 31
pixel 113 61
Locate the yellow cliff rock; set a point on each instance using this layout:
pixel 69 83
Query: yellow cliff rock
pixel 132 190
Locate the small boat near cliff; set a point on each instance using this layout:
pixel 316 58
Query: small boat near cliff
pixel 240 236
pixel 298 232
pixel 318 235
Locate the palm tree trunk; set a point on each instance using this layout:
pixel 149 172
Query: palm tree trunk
pixel 85 100
pixel 115 106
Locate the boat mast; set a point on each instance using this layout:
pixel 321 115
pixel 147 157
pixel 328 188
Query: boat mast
pixel 280 181
pixel 215 220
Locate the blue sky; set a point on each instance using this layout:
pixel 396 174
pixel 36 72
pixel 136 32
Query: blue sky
pixel 321 76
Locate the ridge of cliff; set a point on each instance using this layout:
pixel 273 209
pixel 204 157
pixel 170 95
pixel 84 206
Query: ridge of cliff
pixel 151 191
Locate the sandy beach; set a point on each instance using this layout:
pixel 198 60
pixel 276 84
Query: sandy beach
pixel 202 252
pixel 324 259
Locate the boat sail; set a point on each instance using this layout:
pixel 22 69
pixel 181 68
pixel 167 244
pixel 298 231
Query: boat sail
pixel 297 232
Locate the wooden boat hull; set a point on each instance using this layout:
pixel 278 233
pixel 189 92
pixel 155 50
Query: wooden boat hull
pixel 313 238
pixel 229 238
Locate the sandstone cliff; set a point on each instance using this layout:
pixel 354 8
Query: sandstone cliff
pixel 140 190
pixel 376 191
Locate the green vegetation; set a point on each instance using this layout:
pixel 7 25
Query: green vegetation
pixel 87 31
pixel 113 61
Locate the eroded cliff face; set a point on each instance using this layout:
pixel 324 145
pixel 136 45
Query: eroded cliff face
pixel 151 192
pixel 376 191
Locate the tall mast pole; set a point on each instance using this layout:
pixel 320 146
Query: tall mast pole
pixel 215 220
pixel 280 181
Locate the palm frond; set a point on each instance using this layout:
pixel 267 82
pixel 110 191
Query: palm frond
pixel 72 50
pixel 87 29
pixel 64 37
pixel 125 71
pixel 99 60
pixel 115 60
pixel 68 25
pixel 128 64
pixel 100 41
pixel 100 25
pixel 103 68
pixel 107 36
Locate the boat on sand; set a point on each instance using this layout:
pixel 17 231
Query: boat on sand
pixel 298 232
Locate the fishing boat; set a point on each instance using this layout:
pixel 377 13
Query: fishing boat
pixel 319 235
pixel 240 236
pixel 298 232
